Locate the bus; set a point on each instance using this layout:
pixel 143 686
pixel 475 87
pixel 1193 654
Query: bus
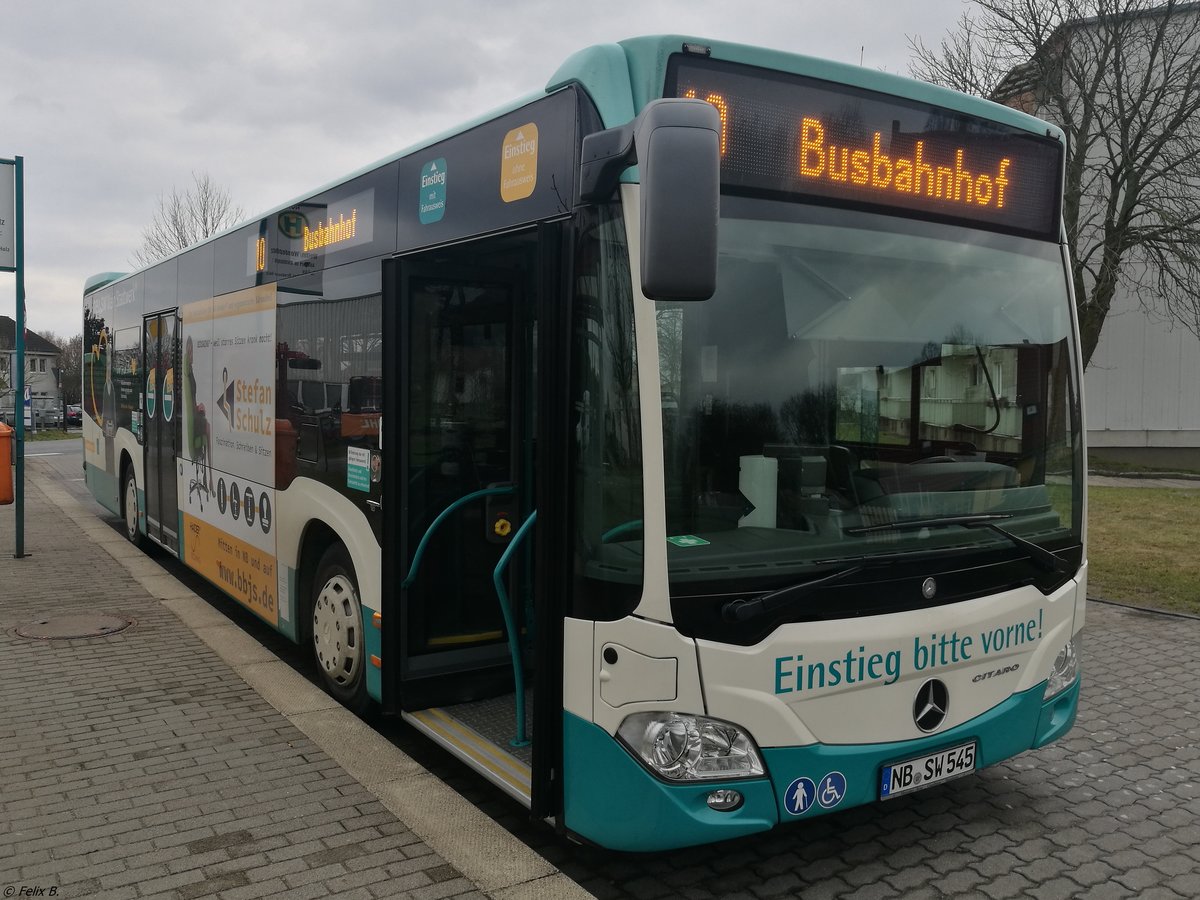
pixel 692 447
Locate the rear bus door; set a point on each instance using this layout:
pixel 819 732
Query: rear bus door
pixel 160 425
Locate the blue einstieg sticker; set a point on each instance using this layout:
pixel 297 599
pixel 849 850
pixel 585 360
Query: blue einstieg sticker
pixel 358 468
pixel 433 192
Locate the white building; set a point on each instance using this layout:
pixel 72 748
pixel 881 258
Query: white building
pixel 41 364
pixel 1143 389
pixel 1142 384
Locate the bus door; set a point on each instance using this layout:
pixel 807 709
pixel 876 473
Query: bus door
pixel 465 329
pixel 465 464
pixel 160 425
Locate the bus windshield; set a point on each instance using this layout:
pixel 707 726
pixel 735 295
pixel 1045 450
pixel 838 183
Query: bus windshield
pixel 855 372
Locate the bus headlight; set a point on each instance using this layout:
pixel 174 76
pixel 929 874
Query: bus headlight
pixel 681 747
pixel 1065 670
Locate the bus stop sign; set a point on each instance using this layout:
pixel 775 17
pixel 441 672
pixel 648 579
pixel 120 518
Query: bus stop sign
pixel 8 217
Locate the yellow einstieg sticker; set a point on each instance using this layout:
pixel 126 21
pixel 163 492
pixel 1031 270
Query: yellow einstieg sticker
pixel 518 166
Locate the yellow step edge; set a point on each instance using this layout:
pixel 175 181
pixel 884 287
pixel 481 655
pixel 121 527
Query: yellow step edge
pixel 447 729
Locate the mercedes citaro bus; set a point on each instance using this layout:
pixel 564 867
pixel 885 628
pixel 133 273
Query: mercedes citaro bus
pixel 691 447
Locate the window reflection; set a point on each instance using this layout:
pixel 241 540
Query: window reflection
pixel 607 451
pixel 329 381
pixel 843 377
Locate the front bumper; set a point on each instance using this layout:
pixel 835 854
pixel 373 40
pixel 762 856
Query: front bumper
pixel 610 799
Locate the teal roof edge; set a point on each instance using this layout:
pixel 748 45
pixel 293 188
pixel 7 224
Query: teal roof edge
pixel 622 78
pixel 597 70
pixel 399 154
pixel 602 71
pixel 100 280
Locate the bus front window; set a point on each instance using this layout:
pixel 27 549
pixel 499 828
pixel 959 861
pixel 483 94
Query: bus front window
pixel 856 374
pixel 606 434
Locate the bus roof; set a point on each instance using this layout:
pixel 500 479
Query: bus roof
pixel 622 78
pixel 96 282
pixel 100 280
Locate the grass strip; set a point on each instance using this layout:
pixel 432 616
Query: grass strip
pixel 1142 547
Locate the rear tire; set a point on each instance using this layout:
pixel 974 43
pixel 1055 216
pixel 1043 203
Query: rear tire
pixel 129 510
pixel 336 626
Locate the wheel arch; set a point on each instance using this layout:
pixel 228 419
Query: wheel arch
pixel 309 517
pixel 317 537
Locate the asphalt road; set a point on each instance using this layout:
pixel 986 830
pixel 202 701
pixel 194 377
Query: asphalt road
pixel 1112 810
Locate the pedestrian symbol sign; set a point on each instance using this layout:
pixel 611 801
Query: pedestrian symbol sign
pixel 800 796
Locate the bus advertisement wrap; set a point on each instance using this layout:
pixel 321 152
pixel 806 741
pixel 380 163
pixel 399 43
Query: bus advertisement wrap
pixel 227 485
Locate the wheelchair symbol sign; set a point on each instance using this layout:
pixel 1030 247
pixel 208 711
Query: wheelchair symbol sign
pixel 832 790
pixel 799 796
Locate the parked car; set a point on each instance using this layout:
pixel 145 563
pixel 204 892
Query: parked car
pixel 43 417
pixel 74 415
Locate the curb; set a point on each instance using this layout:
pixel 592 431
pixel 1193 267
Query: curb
pixel 1147 476
pixel 1148 610
pixel 499 864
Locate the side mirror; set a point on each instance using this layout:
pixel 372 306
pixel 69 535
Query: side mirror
pixel 676 145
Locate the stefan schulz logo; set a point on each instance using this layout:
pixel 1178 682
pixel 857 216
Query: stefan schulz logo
pixel 247 405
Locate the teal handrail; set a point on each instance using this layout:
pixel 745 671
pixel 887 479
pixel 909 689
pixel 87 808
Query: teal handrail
pixel 514 642
pixel 623 528
pixel 442 516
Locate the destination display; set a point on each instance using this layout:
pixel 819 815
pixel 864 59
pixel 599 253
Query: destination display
pixel 795 135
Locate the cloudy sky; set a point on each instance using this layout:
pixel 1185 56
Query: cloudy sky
pixel 112 104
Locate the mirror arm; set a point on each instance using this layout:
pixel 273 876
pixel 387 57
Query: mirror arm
pixel 603 157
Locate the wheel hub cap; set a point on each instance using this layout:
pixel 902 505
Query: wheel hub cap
pixel 131 508
pixel 336 618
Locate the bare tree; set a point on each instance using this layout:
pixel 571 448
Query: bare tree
pixel 69 367
pixel 1122 79
pixel 183 219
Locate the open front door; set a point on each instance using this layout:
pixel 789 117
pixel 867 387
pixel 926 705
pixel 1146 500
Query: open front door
pixel 466 463
pixel 460 489
pixel 160 425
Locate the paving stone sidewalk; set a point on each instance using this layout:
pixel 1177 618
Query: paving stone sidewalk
pixel 139 765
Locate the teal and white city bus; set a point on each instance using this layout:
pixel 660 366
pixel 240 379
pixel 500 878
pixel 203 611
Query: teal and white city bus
pixel 691 448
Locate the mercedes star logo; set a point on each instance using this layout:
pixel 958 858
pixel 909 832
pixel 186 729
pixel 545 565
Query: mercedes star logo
pixel 931 705
pixel 929 588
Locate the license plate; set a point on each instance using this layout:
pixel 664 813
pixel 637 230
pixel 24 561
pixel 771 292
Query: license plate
pixel 914 774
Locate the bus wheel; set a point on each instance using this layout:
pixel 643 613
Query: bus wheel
pixel 129 509
pixel 337 630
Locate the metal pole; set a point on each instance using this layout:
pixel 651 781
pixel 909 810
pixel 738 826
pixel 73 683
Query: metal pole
pixel 19 487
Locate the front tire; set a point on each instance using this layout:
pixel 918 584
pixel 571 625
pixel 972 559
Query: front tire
pixel 338 642
pixel 129 509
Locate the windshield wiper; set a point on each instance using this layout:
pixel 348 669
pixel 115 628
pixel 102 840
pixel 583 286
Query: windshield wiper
pixel 741 609
pixel 1041 557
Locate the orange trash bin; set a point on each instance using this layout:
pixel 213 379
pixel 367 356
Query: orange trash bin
pixel 7 437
